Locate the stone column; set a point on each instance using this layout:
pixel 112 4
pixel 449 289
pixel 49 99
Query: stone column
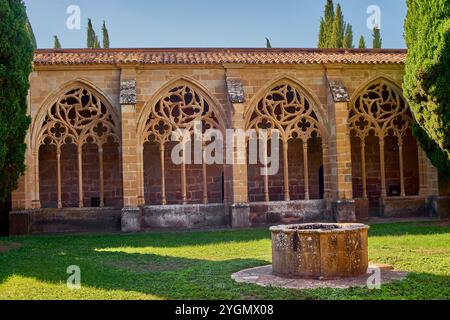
pixel 236 176
pixel 340 153
pixel 131 213
pixel 423 183
pixel 438 203
pixel 25 199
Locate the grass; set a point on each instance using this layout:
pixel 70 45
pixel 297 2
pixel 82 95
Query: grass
pixel 198 265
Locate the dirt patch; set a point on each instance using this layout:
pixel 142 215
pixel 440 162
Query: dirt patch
pixel 6 247
pixel 151 266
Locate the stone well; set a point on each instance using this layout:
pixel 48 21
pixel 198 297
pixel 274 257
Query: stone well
pixel 320 250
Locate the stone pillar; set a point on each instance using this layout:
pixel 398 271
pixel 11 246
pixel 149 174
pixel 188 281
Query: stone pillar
pixel 423 187
pixel 340 153
pixel 131 213
pixel 236 173
pixel 25 199
pixel 439 205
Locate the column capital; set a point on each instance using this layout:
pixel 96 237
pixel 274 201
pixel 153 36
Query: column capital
pixel 128 92
pixel 235 89
pixel 340 160
pixel 339 91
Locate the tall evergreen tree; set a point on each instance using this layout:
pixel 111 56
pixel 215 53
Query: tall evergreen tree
pixel 96 44
pixel 16 56
pixel 337 36
pixel 321 43
pixel 105 36
pixel 268 44
pixel 326 26
pixel 362 43
pixel 427 80
pixel 348 38
pixel 90 35
pixel 31 33
pixel 377 41
pixel 56 43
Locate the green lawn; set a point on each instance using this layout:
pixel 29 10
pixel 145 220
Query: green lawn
pixel 198 265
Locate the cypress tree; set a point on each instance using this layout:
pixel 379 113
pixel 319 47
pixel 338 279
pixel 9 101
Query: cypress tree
pixel 329 18
pixel 96 44
pixel 16 56
pixel 348 38
pixel 321 43
pixel 337 36
pixel 56 43
pixel 31 33
pixel 90 35
pixel 268 44
pixel 377 41
pixel 326 26
pixel 426 83
pixel 105 36
pixel 362 43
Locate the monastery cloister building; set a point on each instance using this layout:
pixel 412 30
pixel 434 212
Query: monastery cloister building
pixel 99 146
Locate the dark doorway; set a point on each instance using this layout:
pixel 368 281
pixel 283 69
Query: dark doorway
pixel 321 183
pixel 5 209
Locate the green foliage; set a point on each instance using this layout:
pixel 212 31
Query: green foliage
pixel 321 43
pixel 16 55
pixel 56 43
pixel 31 33
pixel 268 44
pixel 362 43
pixel 377 41
pixel 198 265
pixel 334 31
pixel 337 36
pixel 96 44
pixel 105 36
pixel 427 80
pixel 90 35
pixel 326 25
pixel 348 38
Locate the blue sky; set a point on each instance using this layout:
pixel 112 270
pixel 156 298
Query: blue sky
pixel 208 23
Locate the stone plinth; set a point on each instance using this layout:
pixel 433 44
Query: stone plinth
pixel 320 251
pixel 263 276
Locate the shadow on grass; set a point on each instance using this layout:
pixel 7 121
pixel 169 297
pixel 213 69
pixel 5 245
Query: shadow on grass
pixel 105 265
pixel 162 276
pixel 166 239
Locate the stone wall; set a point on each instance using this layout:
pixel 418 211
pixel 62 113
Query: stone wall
pixel 282 212
pixel 192 216
pixel 69 176
pixel 194 181
pixel 296 173
pixel 69 220
pixel 231 184
pixel 411 169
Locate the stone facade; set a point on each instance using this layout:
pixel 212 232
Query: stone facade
pixel 134 171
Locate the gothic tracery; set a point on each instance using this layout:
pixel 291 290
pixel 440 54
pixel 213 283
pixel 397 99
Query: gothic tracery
pixel 180 108
pixel 78 117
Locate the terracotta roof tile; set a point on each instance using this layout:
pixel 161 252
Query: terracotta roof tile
pixel 218 56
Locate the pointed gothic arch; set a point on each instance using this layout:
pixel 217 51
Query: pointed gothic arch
pixel 378 113
pixel 285 105
pixel 77 114
pixel 179 105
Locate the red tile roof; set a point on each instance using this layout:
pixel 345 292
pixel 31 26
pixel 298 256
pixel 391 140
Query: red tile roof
pixel 214 56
